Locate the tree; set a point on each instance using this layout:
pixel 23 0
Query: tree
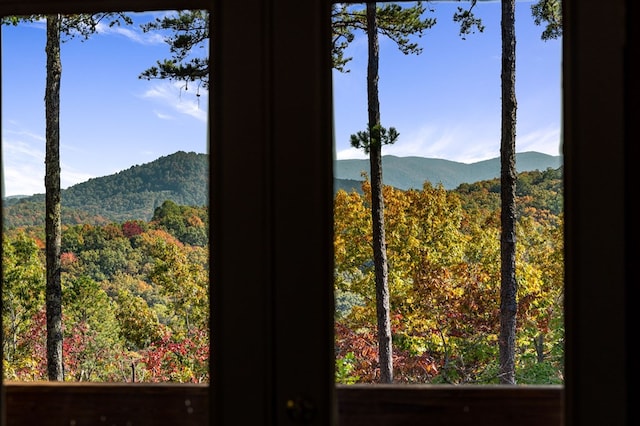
pixel 548 11
pixel 508 283
pixel 57 26
pixel 92 332
pixel 188 224
pixel 371 141
pixel 53 230
pixel 397 23
pixel 443 251
pixel 181 272
pixel 23 278
pixel 190 31
pixel 394 21
pixel 139 325
pixel 385 349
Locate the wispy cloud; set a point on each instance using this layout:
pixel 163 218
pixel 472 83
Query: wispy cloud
pixel 164 116
pixel 134 34
pixel 450 141
pixel 175 97
pixel 350 153
pixel 16 142
pixel 547 140
pixel 22 163
pixel 457 143
pixel 70 176
pixel 22 179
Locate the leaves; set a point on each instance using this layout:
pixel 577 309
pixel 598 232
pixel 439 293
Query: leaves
pixel 444 266
pixel 187 35
pixel 549 11
pixel 443 253
pixel 397 22
pixel 376 136
pixel 122 296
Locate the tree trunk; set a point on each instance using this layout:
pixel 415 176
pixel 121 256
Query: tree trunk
pixel 52 205
pixel 508 285
pixel 385 351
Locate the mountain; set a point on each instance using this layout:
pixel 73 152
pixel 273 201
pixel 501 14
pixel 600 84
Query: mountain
pixel 131 194
pixel 182 177
pixel 412 172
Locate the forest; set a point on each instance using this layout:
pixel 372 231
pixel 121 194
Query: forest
pixel 133 193
pixel 136 306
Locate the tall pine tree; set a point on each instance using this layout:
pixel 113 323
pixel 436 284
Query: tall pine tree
pixel 59 29
pixel 508 283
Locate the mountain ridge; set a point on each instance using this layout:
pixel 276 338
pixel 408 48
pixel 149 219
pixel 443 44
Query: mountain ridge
pixel 412 172
pixel 182 177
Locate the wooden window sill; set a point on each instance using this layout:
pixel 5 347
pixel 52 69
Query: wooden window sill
pixel 75 404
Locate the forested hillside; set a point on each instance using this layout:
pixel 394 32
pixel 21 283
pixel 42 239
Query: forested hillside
pixel 135 292
pixel 135 300
pixel 443 251
pixel 133 194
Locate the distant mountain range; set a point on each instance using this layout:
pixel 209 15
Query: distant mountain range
pixel 413 172
pixel 182 177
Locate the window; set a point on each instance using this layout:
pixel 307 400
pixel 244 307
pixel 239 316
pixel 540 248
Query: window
pixel 153 133
pixel 272 362
pixel 444 327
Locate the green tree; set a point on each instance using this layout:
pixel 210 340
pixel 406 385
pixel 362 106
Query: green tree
pixel 543 11
pixel 394 21
pixel 23 282
pixel 139 325
pixel 187 223
pixel 188 32
pixel 444 277
pixel 57 27
pixel 549 11
pixel 92 334
pixel 374 146
pixel 399 24
pixel 181 272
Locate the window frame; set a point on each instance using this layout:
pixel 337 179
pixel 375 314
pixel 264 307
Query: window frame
pixel 264 375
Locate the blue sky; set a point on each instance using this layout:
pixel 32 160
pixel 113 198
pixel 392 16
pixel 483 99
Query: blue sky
pixel 445 102
pixel 110 119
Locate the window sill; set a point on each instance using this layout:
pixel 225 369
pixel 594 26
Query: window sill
pixel 46 403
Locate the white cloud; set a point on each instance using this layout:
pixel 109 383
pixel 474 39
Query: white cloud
pixel 163 116
pixel 22 166
pixel 351 153
pixel 16 145
pixel 545 140
pixel 452 142
pixel 136 34
pixel 70 177
pixel 465 144
pixel 175 97
pixel 22 179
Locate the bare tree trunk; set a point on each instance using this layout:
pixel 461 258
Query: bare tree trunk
pixel 508 285
pixel 52 206
pixel 385 351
